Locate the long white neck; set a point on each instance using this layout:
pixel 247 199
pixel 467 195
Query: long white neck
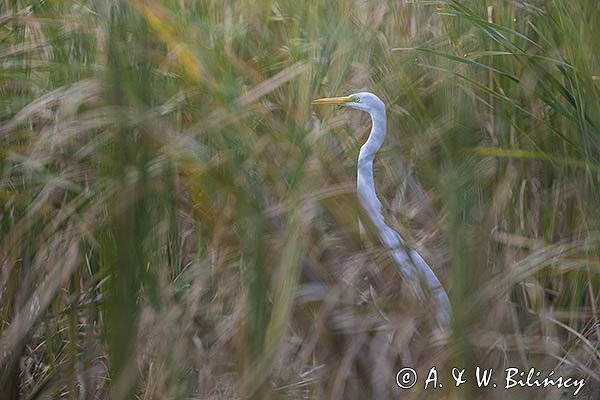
pixel 410 262
pixel 366 184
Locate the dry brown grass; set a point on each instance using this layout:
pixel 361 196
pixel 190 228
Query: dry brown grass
pixel 177 222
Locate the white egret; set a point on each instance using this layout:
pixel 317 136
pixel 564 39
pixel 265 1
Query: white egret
pixel 409 261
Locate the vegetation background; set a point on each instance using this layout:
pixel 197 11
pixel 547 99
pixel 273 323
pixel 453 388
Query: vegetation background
pixel 178 222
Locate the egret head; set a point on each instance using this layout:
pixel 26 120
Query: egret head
pixel 364 101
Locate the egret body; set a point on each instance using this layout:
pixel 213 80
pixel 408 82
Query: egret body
pixel 409 261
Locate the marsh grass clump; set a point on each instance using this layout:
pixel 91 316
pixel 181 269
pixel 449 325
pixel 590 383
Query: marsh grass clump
pixel 176 220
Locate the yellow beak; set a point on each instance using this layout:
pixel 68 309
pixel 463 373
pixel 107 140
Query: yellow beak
pixel 333 100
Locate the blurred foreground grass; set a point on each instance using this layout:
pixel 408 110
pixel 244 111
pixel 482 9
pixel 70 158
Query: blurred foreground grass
pixel 177 223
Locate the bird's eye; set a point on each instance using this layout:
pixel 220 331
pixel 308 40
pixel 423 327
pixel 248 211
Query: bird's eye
pixel 356 99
